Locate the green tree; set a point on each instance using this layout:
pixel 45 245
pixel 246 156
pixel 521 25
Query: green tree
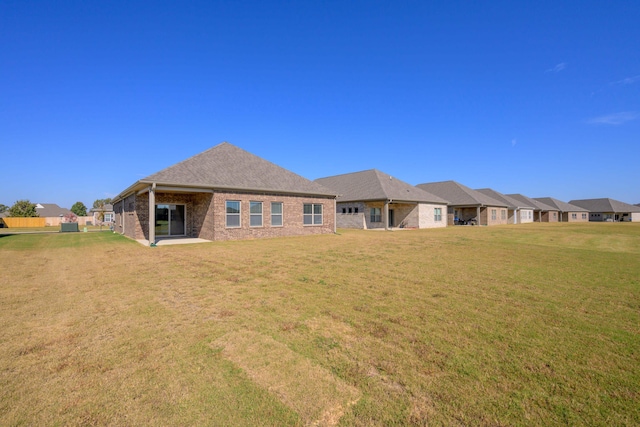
pixel 3 208
pixel 23 209
pixel 98 204
pixel 79 209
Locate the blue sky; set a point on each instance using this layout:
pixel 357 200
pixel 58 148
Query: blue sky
pixel 540 98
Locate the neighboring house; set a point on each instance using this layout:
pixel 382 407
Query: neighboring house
pixel 609 210
pixel 224 193
pixel 467 206
pixel 372 199
pixel 567 211
pixel 106 210
pixel 517 211
pixel 52 213
pixel 541 211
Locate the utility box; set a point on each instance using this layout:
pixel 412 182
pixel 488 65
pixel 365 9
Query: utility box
pixel 66 227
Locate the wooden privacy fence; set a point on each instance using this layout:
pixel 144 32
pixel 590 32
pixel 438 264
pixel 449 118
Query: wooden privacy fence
pixel 24 222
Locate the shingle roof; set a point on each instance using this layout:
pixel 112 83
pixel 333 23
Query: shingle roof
pixel 605 205
pixel 560 205
pixel 229 167
pixel 537 205
pixel 511 202
pixel 459 195
pixel 51 210
pixel 375 185
pixel 108 207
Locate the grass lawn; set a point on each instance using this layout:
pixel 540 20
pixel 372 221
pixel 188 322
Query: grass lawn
pixel 532 324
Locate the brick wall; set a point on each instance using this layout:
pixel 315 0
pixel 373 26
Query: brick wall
pixel 126 217
pixel 205 215
pixel 427 216
pixel 568 217
pixel 550 216
pixel 351 219
pixel 292 216
pixel 501 215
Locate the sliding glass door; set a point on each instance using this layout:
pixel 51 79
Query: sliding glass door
pixel 170 220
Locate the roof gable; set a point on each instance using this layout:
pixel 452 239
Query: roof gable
pixel 560 205
pixel 537 205
pixel 605 205
pixel 373 184
pixel 510 201
pixel 230 167
pixel 459 195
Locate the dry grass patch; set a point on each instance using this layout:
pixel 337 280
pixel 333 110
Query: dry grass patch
pixel 312 392
pixel 516 325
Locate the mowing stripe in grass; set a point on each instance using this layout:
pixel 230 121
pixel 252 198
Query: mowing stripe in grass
pixel 313 392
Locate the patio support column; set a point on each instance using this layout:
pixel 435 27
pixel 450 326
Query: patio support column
pixel 478 216
pixel 335 217
pixel 152 214
pixel 386 214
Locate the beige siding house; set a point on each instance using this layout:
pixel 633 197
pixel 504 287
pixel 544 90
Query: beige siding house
pixel 223 193
pixel 606 209
pixel 372 199
pixel 541 211
pixel 467 206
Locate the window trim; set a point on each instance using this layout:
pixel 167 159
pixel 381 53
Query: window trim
pixel 227 214
pixel 253 215
pixel 437 214
pixel 313 215
pixel 274 215
pixel 373 216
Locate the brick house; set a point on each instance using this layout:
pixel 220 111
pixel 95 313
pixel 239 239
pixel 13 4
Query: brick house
pixel 223 193
pixel 103 214
pixel 517 211
pixel 467 206
pixel 567 211
pixel 606 209
pixel 372 199
pixel 541 212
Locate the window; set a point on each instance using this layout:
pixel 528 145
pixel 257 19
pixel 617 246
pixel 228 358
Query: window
pixel 375 215
pixel 355 210
pixel 493 215
pixel 437 214
pixel 584 216
pixel 312 214
pixel 108 217
pixel 255 214
pixel 233 214
pixel 344 210
pixel 350 210
pixel 503 214
pixel 276 214
pixel 574 216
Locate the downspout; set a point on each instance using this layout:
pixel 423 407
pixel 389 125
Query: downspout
pixel 152 214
